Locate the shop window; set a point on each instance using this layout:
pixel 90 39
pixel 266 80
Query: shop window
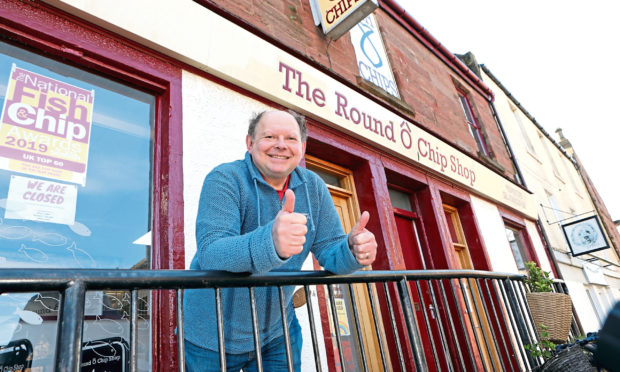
pixel 554 206
pixel 400 199
pixel 457 236
pixel 472 124
pixel 517 245
pixel 75 186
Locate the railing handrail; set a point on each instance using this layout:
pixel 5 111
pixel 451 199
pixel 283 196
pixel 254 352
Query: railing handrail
pixel 53 279
pixel 73 284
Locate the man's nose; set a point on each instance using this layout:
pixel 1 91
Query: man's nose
pixel 281 143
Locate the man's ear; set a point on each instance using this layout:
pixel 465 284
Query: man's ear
pixel 248 141
pixel 303 148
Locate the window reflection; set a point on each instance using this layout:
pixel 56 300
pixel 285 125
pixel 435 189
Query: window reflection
pixel 101 220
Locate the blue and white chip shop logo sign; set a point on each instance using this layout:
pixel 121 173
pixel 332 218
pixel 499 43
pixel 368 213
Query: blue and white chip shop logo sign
pixel 372 59
pixel 339 16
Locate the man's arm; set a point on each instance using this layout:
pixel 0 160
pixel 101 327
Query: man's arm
pixel 332 247
pixel 220 244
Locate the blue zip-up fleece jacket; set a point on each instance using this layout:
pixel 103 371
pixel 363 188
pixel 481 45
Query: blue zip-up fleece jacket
pixel 234 233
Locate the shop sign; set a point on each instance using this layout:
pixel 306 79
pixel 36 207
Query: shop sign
pixel 585 236
pixel 338 16
pixel 45 127
pixel 286 80
pixel 372 59
pixel 41 200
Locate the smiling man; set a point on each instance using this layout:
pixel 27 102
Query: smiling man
pixel 264 213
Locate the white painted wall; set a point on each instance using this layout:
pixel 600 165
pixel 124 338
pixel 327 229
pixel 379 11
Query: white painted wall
pixel 215 123
pixel 582 304
pixel 494 236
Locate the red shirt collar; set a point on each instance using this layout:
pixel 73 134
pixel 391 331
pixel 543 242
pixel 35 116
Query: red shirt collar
pixel 284 188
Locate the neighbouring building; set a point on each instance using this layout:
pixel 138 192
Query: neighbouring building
pixel 113 112
pixel 573 221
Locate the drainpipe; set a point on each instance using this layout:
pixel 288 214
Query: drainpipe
pixel 550 255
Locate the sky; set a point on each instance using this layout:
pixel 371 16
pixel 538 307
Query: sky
pixel 559 59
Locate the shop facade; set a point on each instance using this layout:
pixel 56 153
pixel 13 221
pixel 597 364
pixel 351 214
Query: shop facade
pixel 133 115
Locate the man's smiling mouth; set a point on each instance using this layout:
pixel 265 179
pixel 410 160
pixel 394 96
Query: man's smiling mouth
pixel 279 156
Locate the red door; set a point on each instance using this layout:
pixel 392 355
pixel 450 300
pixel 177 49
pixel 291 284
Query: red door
pixel 409 242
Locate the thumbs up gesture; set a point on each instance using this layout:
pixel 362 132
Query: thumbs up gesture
pixel 289 228
pixel 362 242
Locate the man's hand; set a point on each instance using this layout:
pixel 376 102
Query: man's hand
pixel 289 229
pixel 362 242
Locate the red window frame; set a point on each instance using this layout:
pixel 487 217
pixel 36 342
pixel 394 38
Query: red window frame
pixel 517 223
pixel 35 26
pixel 472 123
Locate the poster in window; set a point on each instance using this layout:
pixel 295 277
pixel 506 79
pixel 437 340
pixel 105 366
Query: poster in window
pixel 45 127
pixel 41 200
pixel 585 236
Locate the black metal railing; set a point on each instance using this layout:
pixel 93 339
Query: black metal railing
pixel 456 320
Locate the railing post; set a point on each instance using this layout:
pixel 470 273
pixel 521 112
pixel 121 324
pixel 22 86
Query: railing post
pixel 358 328
pixel 461 321
pixel 491 347
pixel 180 331
pixel 220 329
pixel 257 347
pixel 521 317
pixel 399 350
pixel 315 344
pixel 469 310
pixel 427 323
pixel 330 291
pixel 71 318
pixel 412 326
pixel 376 322
pixel 287 335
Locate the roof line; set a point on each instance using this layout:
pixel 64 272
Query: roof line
pixel 523 110
pixel 408 22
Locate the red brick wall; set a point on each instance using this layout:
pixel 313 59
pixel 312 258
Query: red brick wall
pixel 425 82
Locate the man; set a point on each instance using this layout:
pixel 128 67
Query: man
pixel 256 215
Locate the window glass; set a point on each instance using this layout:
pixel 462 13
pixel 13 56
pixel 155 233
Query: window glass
pixel 400 199
pixel 516 244
pixel 75 186
pixel 526 138
pixel 474 128
pixel 451 227
pixel 328 178
pixel 546 143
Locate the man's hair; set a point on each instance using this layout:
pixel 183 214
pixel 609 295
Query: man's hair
pixel 300 119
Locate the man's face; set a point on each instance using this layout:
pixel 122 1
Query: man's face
pixel 276 148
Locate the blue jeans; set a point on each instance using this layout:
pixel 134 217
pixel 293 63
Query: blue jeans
pixel 198 359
